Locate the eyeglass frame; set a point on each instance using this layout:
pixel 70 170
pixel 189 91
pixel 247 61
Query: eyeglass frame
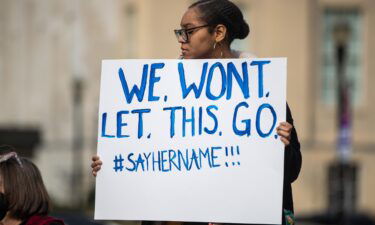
pixel 181 32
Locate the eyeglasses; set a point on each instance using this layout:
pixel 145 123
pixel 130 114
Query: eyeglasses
pixel 184 33
pixel 5 157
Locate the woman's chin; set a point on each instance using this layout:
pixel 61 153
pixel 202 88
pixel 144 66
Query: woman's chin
pixel 183 56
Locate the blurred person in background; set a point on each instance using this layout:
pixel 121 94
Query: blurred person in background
pixel 208 28
pixel 23 197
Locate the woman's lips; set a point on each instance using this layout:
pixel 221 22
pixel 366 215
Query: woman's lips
pixel 184 49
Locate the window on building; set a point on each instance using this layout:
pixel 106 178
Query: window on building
pixel 333 20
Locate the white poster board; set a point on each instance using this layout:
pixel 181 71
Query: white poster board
pixel 191 140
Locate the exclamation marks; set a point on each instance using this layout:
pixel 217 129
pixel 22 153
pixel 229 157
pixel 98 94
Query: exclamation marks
pixel 231 153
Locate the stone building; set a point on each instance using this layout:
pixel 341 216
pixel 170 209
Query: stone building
pixel 50 61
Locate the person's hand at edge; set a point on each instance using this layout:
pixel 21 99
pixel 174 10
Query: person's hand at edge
pixel 284 130
pixel 96 165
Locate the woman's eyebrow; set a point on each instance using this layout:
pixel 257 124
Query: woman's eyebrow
pixel 186 25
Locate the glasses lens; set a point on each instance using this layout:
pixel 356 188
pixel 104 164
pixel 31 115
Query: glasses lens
pixel 176 32
pixel 181 34
pixel 184 35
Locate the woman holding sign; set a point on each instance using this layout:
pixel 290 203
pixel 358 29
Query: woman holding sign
pixel 208 28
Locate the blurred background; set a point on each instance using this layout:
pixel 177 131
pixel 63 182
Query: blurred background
pixel 50 65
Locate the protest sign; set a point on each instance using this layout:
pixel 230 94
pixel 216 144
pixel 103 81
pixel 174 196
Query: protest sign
pixel 191 140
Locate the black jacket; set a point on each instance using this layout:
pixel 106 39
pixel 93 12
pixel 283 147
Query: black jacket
pixel 292 164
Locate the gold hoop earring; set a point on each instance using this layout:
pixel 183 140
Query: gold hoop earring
pixel 221 51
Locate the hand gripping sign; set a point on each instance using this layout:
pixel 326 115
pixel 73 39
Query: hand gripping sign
pixel 191 140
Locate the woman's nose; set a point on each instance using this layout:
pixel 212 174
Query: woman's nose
pixel 180 39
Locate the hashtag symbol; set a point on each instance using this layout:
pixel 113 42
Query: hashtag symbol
pixel 118 163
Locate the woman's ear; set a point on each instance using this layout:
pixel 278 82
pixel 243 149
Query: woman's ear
pixel 220 32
